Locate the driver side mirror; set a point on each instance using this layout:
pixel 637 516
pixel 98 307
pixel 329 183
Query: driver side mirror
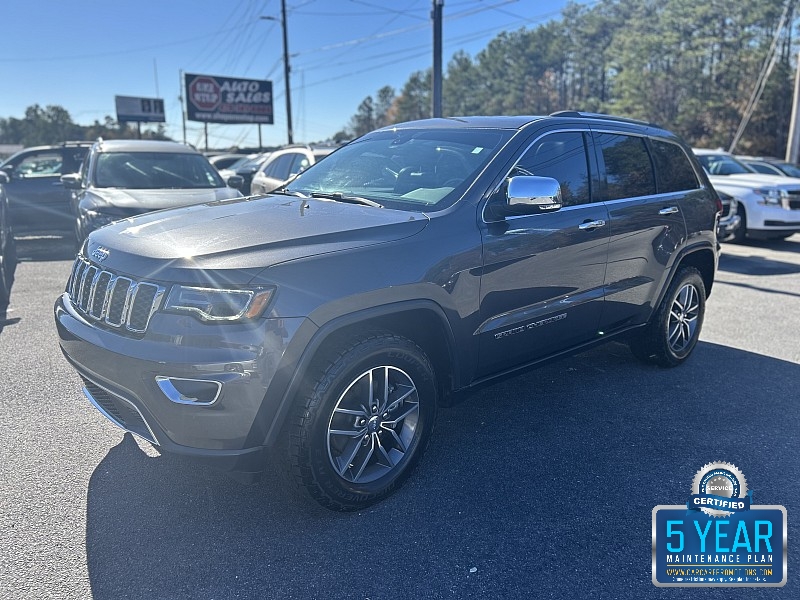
pixel 528 195
pixel 72 181
pixel 4 178
pixel 235 181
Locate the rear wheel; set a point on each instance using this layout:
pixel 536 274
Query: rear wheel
pixel 364 422
pixel 672 333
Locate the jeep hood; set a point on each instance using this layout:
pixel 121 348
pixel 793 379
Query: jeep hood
pixel 244 236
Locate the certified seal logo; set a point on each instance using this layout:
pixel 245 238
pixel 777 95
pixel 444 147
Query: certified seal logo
pixel 719 489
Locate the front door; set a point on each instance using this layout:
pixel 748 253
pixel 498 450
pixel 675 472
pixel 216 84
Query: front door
pixel 542 278
pixel 38 199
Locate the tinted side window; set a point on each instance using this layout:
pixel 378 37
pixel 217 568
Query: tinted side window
pixel 764 168
pixel 47 163
pixel 629 172
pixel 299 164
pixel 561 156
pixel 279 168
pixel 674 172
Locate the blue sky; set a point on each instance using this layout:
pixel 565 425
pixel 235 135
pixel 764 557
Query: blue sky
pixel 80 54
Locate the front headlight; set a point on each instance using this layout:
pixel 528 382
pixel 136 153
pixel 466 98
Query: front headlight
pixel 211 304
pixel 771 196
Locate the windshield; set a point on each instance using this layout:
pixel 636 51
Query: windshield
pixel 789 169
pixel 425 169
pixel 721 164
pixel 155 170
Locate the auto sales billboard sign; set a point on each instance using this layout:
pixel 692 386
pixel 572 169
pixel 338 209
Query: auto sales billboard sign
pixel 213 99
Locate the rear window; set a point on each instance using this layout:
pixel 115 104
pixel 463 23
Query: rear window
pixel 629 172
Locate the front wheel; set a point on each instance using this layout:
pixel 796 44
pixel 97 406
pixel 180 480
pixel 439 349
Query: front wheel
pixel 8 264
pixel 364 421
pixel 672 333
pixel 740 235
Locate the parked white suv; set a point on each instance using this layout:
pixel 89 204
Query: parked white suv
pixel 769 205
pixel 284 164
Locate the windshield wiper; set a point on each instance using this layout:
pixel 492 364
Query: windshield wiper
pixel 340 197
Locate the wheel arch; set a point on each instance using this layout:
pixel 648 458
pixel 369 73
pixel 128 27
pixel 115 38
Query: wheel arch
pixel 422 321
pixel 703 259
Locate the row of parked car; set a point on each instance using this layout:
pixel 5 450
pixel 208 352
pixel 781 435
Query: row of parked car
pixel 76 187
pixel 763 194
pixel 265 172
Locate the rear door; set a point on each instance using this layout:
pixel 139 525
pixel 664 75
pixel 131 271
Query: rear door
pixel 647 224
pixel 542 280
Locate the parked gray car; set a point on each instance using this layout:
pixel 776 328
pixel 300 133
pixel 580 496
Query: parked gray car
pixel 38 202
pixel 329 321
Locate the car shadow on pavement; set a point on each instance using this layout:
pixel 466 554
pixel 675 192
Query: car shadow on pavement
pixel 539 486
pixel 46 248
pixel 756 265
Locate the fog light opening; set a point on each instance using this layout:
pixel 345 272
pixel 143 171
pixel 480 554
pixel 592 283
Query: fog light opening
pixel 199 392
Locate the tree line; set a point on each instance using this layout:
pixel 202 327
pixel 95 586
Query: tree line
pixel 692 67
pixel 53 124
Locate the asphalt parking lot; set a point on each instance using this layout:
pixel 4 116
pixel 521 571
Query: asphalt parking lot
pixel 541 486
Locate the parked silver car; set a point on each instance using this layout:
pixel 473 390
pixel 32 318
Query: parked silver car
pixel 124 178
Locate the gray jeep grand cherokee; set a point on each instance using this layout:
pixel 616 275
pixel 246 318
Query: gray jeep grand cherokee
pixel 329 320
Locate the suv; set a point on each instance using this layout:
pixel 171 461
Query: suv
pixel 124 178
pixel 331 320
pixel 768 205
pixel 284 164
pixel 38 201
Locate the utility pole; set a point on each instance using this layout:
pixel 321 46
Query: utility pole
pixel 286 74
pixel 793 144
pixel 286 69
pixel 436 15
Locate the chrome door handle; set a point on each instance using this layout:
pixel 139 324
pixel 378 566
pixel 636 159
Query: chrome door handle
pixel 591 225
pixel 668 211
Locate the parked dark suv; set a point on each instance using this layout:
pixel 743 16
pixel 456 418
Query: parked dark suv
pixel 330 320
pixel 38 201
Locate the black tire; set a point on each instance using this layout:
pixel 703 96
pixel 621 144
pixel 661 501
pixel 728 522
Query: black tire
pixel 8 264
pixel 740 235
pixel 672 333
pixel 363 422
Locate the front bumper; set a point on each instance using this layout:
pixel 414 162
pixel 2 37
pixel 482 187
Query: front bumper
pixel 772 220
pixel 728 227
pixel 123 376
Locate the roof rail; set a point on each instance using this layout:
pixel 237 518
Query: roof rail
pixel 75 143
pixel 590 115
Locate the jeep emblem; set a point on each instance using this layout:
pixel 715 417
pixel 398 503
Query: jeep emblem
pixel 100 253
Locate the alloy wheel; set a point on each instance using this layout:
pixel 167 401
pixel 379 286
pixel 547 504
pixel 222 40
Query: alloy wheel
pixel 373 424
pixel 683 316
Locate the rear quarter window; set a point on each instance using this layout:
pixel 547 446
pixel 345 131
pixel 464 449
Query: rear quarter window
pixel 674 172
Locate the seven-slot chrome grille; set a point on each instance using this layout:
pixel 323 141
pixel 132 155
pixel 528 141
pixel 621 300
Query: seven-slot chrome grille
pixel 117 301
